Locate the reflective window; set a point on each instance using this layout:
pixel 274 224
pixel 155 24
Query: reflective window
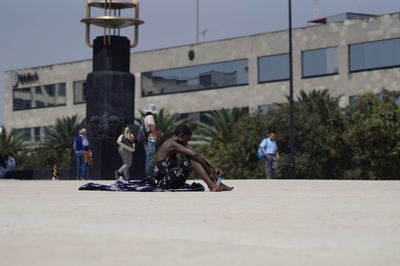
pixel 79 92
pixel 273 68
pixel 202 77
pixel 35 134
pixel 397 101
pixel 374 55
pixel 39 97
pixel 320 62
pixel 24 132
pixel 353 101
pixel 266 108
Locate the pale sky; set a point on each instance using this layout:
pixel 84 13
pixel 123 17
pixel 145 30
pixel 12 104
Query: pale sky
pixel 45 32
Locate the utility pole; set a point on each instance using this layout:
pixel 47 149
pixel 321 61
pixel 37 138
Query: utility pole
pixel 197 21
pixel 291 118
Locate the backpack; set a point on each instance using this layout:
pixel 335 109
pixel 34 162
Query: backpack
pixel 143 134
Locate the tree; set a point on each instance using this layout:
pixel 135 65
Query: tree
pixel 374 137
pixel 220 124
pixel 320 147
pixel 60 137
pixel 10 142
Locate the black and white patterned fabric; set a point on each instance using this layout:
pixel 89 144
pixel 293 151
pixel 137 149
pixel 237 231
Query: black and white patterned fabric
pixel 171 173
pixel 144 185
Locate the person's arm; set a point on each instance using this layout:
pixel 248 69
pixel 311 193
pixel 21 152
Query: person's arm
pixel 263 143
pixel 215 169
pixel 193 155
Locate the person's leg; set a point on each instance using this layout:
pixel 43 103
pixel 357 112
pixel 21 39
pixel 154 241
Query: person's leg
pixel 122 169
pixel 128 162
pixel 79 161
pixel 268 167
pixel 87 169
pixel 210 181
pixel 150 151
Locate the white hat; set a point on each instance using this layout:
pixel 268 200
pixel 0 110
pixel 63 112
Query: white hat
pixel 151 109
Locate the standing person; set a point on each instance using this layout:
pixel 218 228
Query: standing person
pixel 80 142
pixel 125 148
pixel 3 166
pixel 11 163
pixel 54 172
pixel 150 144
pixel 171 174
pixel 269 148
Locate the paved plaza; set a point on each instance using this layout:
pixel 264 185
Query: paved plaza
pixel 261 222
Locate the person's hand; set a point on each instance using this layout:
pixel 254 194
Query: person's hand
pixel 220 172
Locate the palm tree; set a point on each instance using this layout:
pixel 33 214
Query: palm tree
pixel 61 134
pixel 10 142
pixel 220 124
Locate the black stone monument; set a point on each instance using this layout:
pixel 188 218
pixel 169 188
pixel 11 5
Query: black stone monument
pixel 110 97
pixel 110 88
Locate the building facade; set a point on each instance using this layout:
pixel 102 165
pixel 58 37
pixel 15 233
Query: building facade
pixel 349 54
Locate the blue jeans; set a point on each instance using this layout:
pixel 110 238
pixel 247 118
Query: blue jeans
pixel 80 167
pixel 150 151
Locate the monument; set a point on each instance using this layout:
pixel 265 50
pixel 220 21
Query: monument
pixel 110 88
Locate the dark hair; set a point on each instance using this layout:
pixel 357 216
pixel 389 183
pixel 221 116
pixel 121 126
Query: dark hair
pixel 148 113
pixel 183 129
pixel 272 132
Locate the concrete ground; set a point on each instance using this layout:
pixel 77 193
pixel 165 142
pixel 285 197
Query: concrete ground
pixel 261 222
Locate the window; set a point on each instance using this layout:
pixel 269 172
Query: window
pixel 79 92
pixel 273 68
pixel 266 108
pixel 37 134
pixel 202 77
pixel 39 97
pixel 320 62
pixel 353 101
pixel 24 132
pixel 374 55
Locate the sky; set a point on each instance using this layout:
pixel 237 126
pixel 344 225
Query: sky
pixel 46 32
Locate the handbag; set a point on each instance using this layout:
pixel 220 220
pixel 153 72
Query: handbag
pixel 126 144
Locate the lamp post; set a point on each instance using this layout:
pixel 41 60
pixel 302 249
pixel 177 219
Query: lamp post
pixel 291 102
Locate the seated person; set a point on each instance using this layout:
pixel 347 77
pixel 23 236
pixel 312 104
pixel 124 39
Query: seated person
pixel 173 174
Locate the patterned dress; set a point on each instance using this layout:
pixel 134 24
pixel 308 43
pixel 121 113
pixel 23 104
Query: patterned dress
pixel 171 173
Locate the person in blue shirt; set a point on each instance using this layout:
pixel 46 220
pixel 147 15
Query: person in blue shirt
pixel 79 145
pixel 269 149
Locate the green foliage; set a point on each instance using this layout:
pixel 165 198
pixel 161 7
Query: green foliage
pixel 374 136
pixel 220 125
pixel 60 138
pixel 10 141
pixel 321 150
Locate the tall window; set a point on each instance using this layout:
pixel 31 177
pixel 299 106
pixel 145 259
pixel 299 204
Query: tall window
pixel 273 68
pixel 202 77
pixel 320 62
pixel 374 55
pixel 79 92
pixel 39 97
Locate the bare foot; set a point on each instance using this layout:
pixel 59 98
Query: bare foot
pixel 220 187
pixel 225 187
pixel 216 188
